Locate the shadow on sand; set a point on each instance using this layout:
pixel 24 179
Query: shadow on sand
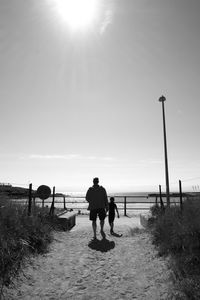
pixel 103 245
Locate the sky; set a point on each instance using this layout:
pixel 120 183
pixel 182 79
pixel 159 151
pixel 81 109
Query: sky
pixel 80 101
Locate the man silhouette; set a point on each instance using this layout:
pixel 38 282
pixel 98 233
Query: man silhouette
pixel 97 198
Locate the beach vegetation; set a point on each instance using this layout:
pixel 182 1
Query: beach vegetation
pixel 135 231
pixel 176 233
pixel 22 235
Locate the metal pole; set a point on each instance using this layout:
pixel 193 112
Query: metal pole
pixel 163 99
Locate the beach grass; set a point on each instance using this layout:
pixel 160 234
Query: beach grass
pixel 176 233
pixel 20 236
pixel 135 231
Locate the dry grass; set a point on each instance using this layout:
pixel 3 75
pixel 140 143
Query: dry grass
pixel 135 231
pixel 20 236
pixel 178 234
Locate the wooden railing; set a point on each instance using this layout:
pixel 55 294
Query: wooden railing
pixel 126 202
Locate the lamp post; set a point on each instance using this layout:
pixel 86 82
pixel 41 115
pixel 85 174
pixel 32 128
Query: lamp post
pixel 163 99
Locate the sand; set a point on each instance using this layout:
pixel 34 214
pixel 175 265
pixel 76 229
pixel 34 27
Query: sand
pixel 75 267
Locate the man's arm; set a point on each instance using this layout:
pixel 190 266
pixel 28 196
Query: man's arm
pixel 106 200
pixel 87 195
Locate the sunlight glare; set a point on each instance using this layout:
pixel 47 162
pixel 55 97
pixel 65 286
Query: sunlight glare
pixel 78 14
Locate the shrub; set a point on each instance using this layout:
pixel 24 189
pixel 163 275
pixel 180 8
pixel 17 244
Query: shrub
pixel 177 233
pixel 21 235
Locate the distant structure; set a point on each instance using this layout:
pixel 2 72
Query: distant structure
pixel 5 185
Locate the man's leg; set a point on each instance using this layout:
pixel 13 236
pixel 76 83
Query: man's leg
pixel 102 224
pixel 94 227
pixel 102 215
pixel 93 218
pixel 102 232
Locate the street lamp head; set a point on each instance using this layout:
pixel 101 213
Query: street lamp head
pixel 162 99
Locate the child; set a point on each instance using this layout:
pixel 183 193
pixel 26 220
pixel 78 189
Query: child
pixel 111 213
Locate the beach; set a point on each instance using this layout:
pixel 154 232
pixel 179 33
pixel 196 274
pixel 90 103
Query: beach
pixel 119 267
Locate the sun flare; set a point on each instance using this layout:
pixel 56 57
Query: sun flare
pixel 78 14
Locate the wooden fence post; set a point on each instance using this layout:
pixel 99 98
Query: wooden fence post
pixel 33 204
pixel 181 195
pixel 29 199
pixel 161 200
pixel 64 202
pixel 125 206
pixel 52 204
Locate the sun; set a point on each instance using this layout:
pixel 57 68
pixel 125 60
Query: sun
pixel 78 14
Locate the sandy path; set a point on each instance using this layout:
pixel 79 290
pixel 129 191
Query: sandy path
pixel 124 267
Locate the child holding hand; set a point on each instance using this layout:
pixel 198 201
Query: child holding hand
pixel 111 213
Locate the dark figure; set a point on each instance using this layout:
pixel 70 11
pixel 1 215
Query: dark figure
pixel 98 205
pixel 111 214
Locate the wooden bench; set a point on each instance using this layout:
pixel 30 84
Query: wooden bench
pixel 68 220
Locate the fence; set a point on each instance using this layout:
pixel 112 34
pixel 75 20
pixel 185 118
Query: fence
pixel 124 202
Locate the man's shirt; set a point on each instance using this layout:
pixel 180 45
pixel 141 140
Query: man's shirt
pixel 97 197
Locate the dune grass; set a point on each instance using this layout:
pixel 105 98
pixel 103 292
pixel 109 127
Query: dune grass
pixel 20 236
pixel 177 233
pixel 136 231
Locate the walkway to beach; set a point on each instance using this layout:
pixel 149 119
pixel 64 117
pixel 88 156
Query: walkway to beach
pixel 126 267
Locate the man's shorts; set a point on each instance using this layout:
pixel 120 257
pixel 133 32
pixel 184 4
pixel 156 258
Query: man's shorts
pixel 100 212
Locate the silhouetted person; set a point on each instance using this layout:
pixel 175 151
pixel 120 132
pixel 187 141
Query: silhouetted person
pixel 111 213
pixel 98 205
